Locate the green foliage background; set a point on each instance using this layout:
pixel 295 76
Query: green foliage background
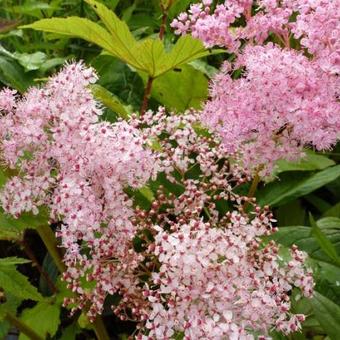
pixel 305 196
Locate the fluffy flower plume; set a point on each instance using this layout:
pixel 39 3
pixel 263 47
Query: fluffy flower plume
pixel 281 103
pixel 78 167
pixel 315 23
pixel 285 99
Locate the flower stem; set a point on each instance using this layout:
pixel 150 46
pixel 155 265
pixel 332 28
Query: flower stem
pixel 51 244
pixel 252 189
pixel 22 327
pixel 254 185
pixel 99 329
pixel 163 24
pixel 146 97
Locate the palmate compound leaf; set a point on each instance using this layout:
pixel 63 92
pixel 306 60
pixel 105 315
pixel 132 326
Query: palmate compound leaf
pixel 156 61
pixel 149 55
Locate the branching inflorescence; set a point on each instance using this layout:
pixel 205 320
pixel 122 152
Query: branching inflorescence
pixel 211 276
pixel 200 267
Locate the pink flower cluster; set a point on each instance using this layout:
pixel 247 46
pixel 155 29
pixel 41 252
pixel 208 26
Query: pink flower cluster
pixel 315 22
pixel 285 99
pixel 281 103
pixel 78 166
pixel 212 29
pixel 318 26
pixel 187 146
pixel 221 282
pixel 210 275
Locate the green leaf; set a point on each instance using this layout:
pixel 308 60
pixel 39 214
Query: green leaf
pixel 9 306
pixel 63 292
pixel 5 327
pixel 328 272
pixel 204 67
pixel 325 244
pixel 13 75
pixel 11 234
pixel 12 229
pixel 156 61
pixel 33 9
pixel 25 221
pixel 51 63
pixel 10 261
pixel 186 50
pixel 83 321
pixel 328 314
pixel 181 88
pixel 43 318
pixel 291 214
pixel 280 192
pixel 178 7
pixel 303 238
pixel 333 211
pixel 71 332
pixel 30 61
pixel 17 284
pixel 319 203
pixel 147 193
pixel 147 56
pixel 76 27
pixel 110 101
pixel 311 162
pixel 122 39
pixel 3 178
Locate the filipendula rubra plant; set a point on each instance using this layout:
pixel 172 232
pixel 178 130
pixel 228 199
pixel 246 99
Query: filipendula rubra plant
pixel 195 263
pixel 199 270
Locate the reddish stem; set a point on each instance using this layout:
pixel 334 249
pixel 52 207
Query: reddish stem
pixel 163 25
pixel 147 94
pixel 147 91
